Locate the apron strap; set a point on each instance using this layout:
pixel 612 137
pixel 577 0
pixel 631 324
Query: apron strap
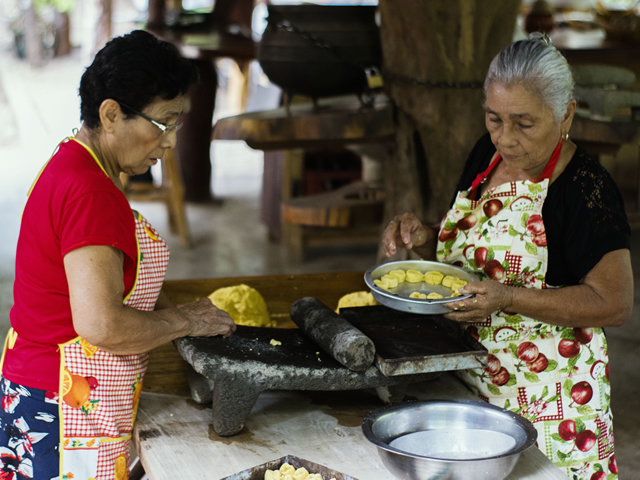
pixel 546 173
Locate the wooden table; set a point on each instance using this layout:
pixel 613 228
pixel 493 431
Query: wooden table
pixel 174 438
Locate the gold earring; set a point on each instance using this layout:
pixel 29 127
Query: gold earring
pixel 565 137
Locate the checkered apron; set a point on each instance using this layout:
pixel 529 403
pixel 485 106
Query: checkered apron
pixel 556 377
pixel 100 390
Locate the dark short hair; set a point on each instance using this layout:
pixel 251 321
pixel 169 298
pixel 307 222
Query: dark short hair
pixel 134 69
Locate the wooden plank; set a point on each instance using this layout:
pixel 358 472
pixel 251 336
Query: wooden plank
pixel 335 208
pixel 174 438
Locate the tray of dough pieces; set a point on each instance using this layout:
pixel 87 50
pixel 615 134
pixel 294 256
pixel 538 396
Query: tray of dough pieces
pixel 426 287
pixel 289 465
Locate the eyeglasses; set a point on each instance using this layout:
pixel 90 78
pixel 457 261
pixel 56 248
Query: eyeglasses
pixel 166 129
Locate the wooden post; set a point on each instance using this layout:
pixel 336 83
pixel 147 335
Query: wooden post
pixel 437 41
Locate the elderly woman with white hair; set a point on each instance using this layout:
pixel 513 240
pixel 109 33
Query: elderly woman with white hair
pixel 543 226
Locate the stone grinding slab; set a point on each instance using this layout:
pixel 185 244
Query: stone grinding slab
pixel 407 343
pixel 232 372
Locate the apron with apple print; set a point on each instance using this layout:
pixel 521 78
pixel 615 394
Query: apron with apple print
pixel 556 377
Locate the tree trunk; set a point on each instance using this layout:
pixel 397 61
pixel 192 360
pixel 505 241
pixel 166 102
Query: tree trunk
pixel 437 41
pixel 33 42
pixel 63 30
pixel 103 24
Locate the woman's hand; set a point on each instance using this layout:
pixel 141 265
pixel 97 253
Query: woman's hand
pixel 207 320
pixel 405 231
pixel 490 296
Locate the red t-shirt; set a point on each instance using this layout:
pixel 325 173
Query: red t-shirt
pixel 73 204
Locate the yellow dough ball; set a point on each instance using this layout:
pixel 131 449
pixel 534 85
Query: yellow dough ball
pixel 448 280
pixel 244 304
pixel 433 277
pixel 356 299
pixel 272 475
pixel 457 284
pixel 434 296
pixel 287 469
pixel 392 281
pixel 399 274
pixel 383 284
pixel 414 276
pixel 300 474
pixel 418 295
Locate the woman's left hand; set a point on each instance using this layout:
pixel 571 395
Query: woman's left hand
pixel 490 296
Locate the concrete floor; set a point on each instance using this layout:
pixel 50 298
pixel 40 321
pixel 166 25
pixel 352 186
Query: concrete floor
pixel 38 107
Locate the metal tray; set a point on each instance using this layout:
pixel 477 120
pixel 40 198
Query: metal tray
pixel 398 298
pixel 257 472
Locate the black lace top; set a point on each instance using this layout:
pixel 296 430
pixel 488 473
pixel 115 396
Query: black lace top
pixel 583 214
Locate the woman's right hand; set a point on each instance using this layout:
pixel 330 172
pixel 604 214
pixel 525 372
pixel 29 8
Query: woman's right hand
pixel 404 231
pixel 207 320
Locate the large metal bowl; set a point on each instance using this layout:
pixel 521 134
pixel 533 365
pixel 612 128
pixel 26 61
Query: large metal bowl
pixel 456 439
pixel 398 297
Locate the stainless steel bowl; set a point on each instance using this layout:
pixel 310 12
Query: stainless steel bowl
pixel 398 298
pixel 456 439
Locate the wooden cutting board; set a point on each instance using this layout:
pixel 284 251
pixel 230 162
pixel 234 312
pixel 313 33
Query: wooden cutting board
pixel 408 343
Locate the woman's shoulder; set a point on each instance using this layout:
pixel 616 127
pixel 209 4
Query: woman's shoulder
pixel 72 167
pixel 587 186
pixel 586 174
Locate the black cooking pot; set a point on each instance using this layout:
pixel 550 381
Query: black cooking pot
pixel 290 55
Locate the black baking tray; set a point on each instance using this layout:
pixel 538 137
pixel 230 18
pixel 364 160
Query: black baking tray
pixel 257 472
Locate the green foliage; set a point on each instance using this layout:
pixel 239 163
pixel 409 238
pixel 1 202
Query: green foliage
pixel 62 6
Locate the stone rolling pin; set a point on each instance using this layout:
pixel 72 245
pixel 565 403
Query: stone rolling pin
pixel 333 334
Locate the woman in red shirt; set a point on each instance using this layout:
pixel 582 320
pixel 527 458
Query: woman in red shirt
pixel 89 272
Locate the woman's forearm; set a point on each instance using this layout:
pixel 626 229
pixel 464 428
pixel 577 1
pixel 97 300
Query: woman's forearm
pixel 130 331
pixel 96 290
pixel 604 298
pixel 574 306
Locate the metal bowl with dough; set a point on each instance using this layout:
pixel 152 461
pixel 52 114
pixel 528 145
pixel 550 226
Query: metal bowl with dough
pixel 399 298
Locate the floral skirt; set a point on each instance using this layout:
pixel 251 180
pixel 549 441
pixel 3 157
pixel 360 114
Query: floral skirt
pixel 29 433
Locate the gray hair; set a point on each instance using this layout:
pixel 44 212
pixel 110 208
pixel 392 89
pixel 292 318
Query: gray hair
pixel 539 67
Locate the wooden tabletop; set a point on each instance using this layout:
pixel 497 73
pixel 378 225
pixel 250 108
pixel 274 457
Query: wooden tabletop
pixel 206 42
pixel 335 121
pixel 174 437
